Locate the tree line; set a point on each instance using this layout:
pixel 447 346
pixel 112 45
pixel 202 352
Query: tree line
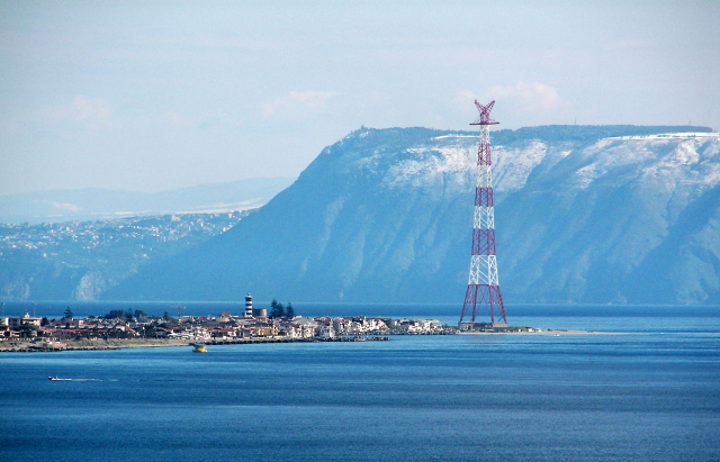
pixel 126 315
pixel 278 310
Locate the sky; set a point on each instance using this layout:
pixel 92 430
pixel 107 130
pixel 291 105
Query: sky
pixel 152 96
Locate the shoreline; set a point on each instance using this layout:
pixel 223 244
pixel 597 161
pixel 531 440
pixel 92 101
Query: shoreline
pixel 554 333
pixel 88 345
pixel 119 344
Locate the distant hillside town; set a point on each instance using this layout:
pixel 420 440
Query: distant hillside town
pixel 78 260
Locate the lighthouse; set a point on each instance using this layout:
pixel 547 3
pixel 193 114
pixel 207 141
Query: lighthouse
pixel 248 306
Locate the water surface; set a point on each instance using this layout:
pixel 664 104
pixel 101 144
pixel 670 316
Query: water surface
pixel 653 395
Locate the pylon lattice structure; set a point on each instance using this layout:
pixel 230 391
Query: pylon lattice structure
pixel 483 284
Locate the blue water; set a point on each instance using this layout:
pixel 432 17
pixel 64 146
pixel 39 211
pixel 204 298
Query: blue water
pixel 651 395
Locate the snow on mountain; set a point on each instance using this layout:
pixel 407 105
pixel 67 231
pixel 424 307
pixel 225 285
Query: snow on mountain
pixel 608 214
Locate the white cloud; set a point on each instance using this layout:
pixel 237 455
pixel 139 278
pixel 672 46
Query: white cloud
pixel 295 102
pixel 79 110
pixel 529 96
pixel 524 103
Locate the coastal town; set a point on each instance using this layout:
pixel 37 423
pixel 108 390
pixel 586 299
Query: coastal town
pixel 120 328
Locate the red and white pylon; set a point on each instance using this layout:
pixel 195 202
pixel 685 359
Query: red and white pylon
pixel 483 283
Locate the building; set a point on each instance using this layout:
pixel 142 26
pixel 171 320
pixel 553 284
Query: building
pixel 25 320
pixel 259 313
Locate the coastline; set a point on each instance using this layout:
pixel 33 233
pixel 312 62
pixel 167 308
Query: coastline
pixel 119 344
pixel 85 345
pixel 544 332
pixel 99 344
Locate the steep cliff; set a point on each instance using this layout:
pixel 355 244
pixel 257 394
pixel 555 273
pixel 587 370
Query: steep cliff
pixel 583 214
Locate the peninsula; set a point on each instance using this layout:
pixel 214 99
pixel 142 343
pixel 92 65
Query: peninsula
pixel 135 329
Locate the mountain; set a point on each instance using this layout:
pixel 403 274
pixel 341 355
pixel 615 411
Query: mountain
pixel 99 204
pixel 609 214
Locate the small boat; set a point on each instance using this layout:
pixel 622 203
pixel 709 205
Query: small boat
pixel 199 348
pixel 56 378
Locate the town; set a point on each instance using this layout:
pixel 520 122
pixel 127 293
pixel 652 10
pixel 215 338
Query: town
pixel 94 256
pixel 135 328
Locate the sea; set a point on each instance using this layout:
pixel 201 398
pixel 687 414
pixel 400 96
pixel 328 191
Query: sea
pixel 651 392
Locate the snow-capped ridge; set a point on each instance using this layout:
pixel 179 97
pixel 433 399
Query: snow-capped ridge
pixel 670 135
pixel 580 217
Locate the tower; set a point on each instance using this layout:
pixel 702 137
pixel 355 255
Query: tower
pixel 483 285
pixel 248 306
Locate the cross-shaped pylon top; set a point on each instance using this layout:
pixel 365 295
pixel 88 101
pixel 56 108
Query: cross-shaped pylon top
pixel 484 117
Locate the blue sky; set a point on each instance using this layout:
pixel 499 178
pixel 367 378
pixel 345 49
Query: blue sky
pixel 155 96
